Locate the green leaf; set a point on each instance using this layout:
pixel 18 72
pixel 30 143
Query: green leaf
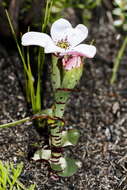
pixel 42 154
pixel 70 137
pixel 60 166
pixel 71 167
pixel 56 167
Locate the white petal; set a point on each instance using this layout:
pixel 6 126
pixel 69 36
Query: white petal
pixel 76 35
pixel 58 29
pixel 36 38
pixel 52 48
pixel 83 50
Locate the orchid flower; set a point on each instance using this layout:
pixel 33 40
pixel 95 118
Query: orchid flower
pixel 64 41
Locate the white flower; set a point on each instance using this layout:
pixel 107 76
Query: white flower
pixel 64 40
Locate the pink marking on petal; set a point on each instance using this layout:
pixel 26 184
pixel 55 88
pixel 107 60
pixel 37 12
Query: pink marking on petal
pixel 71 62
pixel 75 53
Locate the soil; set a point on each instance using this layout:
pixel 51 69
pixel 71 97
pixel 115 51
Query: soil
pixel 99 111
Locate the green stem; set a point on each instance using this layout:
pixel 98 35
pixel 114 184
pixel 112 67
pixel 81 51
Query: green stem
pixel 61 98
pixel 63 82
pixel 56 127
pixel 47 14
pixel 41 56
pixel 27 70
pixel 55 134
pixel 11 124
pixel 117 60
pixel 30 83
pixel 55 138
pixel 16 41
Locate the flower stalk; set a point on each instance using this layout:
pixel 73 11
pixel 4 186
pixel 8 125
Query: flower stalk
pixel 63 82
pixel 55 143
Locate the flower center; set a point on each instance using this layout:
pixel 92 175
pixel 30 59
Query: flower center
pixel 63 44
